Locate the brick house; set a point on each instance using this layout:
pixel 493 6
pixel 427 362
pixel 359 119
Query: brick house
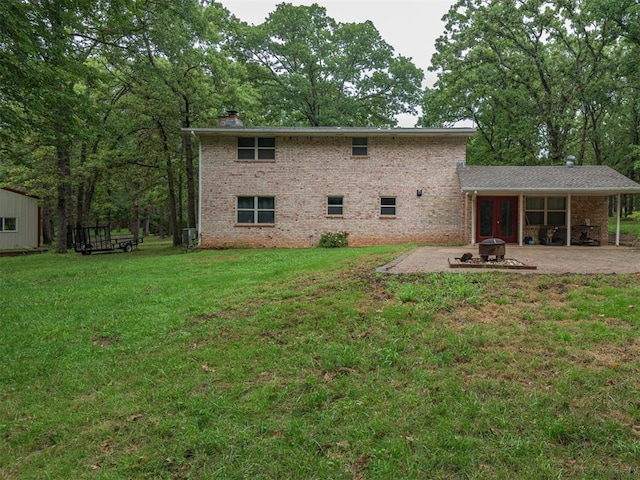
pixel 285 186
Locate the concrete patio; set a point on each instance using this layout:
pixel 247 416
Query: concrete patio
pixel 547 259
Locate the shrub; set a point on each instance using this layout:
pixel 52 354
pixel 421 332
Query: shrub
pixel 333 239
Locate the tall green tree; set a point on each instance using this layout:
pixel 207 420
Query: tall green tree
pixel 44 56
pixel 170 60
pixel 310 69
pixel 530 74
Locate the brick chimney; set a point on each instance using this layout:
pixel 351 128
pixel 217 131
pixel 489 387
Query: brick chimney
pixel 231 119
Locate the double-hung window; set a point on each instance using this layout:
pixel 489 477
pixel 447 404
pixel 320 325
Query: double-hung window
pixel 256 148
pixel 359 147
pixel 8 224
pixel 256 210
pixel 387 206
pixel 546 211
pixel 335 205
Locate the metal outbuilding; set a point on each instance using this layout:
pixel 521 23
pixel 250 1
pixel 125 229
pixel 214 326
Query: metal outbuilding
pixel 19 220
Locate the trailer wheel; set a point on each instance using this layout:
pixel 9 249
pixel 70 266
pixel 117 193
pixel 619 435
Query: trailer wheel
pixel 127 248
pixel 86 251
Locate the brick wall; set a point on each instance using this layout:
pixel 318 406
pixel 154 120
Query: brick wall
pixel 308 169
pixel 596 210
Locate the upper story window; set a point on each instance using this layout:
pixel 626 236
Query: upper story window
pixel 256 148
pixel 256 210
pixel 387 206
pixel 335 205
pixel 359 147
pixel 8 224
pixel 546 211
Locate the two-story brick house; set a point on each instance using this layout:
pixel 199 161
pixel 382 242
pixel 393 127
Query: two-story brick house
pixel 285 186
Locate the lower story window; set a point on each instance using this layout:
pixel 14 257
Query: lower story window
pixel 546 211
pixel 8 224
pixel 335 205
pixel 256 210
pixel 387 206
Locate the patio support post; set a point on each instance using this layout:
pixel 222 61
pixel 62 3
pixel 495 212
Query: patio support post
pixel 618 220
pixel 473 218
pixel 520 218
pixel 568 220
pixel 466 213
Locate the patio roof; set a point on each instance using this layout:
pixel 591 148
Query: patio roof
pixel 578 180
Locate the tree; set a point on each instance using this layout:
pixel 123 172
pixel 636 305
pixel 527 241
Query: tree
pixel 310 69
pixel 530 74
pixel 168 56
pixel 45 61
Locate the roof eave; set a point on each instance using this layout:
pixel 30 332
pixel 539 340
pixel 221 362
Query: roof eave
pixel 333 131
pixel 549 191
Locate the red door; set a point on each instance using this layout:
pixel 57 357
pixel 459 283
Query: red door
pixel 497 217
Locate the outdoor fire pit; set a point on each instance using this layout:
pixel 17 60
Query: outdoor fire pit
pixel 491 247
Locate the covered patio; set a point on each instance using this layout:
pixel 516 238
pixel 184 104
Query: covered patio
pixel 542 205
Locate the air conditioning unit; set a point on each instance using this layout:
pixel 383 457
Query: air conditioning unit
pixel 189 237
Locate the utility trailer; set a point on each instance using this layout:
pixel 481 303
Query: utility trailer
pixel 98 239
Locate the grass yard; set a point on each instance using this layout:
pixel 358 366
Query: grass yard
pixel 629 225
pixel 306 364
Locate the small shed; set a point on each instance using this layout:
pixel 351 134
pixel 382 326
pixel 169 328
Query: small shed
pixel 19 220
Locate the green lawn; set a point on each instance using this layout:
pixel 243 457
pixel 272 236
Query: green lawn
pixel 629 225
pixel 304 364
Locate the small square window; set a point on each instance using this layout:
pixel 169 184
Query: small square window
pixel 557 203
pixel 535 203
pixel 335 205
pixel 387 206
pixel 359 147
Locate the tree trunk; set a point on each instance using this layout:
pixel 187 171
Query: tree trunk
pixel 187 143
pixel 134 226
pixel 47 223
pixel 173 212
pixel 63 210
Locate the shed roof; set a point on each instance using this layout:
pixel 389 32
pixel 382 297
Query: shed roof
pixel 597 179
pixel 332 131
pixel 18 192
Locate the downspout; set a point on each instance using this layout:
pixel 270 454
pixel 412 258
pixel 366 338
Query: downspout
pixel 618 220
pixel 568 220
pixel 199 226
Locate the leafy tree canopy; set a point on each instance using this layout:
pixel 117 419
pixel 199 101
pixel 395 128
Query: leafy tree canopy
pixel 313 70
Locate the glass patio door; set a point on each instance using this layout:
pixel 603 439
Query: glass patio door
pixel 497 217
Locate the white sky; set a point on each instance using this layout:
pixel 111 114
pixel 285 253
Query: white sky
pixel 409 26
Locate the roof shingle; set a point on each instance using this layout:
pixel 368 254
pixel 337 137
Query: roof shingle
pixel 598 179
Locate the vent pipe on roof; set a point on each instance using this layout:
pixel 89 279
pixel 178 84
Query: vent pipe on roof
pixel 570 161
